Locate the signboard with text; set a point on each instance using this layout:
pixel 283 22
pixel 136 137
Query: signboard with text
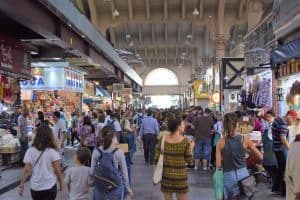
pixel 55 78
pixel 13 57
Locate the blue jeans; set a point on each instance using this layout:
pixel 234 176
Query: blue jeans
pixel 129 138
pixel 203 149
pixel 117 194
pixel 24 147
pixel 231 188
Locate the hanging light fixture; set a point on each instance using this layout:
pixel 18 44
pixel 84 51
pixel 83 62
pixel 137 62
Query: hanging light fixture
pixel 116 13
pixel 195 12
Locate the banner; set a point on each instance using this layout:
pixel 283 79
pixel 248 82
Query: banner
pixel 200 89
pixel 13 57
pixel 118 88
pixel 127 91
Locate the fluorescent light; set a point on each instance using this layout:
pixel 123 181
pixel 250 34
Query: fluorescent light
pixel 34 53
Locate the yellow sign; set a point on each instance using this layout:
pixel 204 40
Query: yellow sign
pixel 200 90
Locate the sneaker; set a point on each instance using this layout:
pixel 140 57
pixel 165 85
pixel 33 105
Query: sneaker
pixel 196 168
pixel 205 169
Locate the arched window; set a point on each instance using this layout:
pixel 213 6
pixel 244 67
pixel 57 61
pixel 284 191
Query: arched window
pixel 161 76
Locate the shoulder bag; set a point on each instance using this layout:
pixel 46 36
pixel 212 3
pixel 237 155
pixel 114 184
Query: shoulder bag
pixel 158 172
pixel 247 185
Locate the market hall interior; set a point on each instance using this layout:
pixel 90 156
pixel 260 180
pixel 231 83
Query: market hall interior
pixel 78 55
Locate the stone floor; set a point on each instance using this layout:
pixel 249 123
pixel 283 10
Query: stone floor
pixel 200 185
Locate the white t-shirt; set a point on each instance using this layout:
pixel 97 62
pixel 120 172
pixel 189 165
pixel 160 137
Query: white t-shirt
pixel 59 127
pixel 79 177
pixel 117 126
pixel 99 128
pixel 43 176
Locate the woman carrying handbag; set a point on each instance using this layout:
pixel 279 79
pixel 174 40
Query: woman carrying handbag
pixel 176 151
pixel 233 147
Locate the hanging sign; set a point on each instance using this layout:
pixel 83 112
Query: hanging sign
pixel 200 90
pixel 127 91
pixel 118 88
pixel 13 57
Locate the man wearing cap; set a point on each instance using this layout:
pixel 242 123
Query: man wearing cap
pixel 280 133
pixel 292 119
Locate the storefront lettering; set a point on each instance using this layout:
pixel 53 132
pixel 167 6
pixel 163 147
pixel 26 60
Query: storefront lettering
pixel 74 83
pixel 38 82
pixel 6 56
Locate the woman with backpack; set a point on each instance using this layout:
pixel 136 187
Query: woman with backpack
pixel 233 147
pixel 109 169
pixel 87 135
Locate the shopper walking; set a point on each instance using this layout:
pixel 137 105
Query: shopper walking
pixel 23 133
pixel 292 175
pixel 177 152
pixel 149 131
pixel 60 134
pixel 231 154
pixel 74 128
pixel 79 178
pixel 43 160
pixel 128 136
pixel 203 129
pixel 269 161
pixel 280 134
pixel 87 135
pixel 109 150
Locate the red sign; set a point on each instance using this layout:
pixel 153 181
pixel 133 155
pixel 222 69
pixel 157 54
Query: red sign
pixel 13 57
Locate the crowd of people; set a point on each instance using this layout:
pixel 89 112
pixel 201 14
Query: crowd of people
pixel 194 138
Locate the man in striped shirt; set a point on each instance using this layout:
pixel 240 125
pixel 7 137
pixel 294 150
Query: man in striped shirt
pixel 280 133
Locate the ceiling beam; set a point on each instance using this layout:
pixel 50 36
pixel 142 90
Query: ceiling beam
pixel 178 33
pixel 112 36
pixel 221 15
pixel 153 32
pixel 112 7
pixel 147 9
pixel 166 33
pixel 166 10
pixel 140 33
pixel 241 9
pixel 130 8
pixel 201 8
pixel 93 12
pixel 80 5
pixel 183 9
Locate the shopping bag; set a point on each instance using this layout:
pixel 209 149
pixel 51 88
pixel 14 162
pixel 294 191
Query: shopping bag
pixel 158 172
pixel 218 184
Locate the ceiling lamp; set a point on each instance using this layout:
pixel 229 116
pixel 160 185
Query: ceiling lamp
pixel 195 12
pixel 116 13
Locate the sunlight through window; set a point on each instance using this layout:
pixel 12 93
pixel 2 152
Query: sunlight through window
pixel 161 76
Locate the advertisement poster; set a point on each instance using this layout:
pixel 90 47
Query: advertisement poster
pixel 200 89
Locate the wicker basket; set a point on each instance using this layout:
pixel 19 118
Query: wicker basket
pixel 8 150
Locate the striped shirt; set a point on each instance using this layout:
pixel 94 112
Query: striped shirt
pixel 279 129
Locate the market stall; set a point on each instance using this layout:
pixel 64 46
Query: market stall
pixel 56 85
pixel 14 66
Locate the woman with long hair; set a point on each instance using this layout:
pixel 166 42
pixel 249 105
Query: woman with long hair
pixel 128 133
pixel 177 152
pixel 87 134
pixel 233 147
pixel 109 140
pixel 44 161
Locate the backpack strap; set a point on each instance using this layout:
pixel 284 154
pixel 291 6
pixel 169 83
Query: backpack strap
pixel 115 150
pixel 99 150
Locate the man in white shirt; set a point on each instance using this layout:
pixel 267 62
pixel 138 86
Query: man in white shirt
pixel 59 130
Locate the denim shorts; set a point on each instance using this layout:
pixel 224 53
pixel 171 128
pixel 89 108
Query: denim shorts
pixel 203 149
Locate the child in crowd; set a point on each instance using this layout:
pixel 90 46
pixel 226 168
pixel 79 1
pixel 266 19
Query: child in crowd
pixel 79 178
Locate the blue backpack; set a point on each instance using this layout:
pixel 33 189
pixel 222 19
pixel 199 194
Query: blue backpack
pixel 140 119
pixel 106 173
pixel 111 124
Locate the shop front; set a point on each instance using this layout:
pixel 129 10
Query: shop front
pixel 14 66
pixel 257 90
pixel 95 97
pixel 57 85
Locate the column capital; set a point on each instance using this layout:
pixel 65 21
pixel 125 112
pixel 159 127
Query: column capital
pixel 220 41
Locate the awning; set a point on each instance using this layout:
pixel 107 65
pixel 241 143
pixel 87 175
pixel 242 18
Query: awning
pixel 102 92
pixel 286 52
pixel 92 100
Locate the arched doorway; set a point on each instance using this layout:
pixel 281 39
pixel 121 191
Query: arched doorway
pixel 160 78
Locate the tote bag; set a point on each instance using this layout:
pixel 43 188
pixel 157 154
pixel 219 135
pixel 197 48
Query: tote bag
pixel 157 176
pixel 218 184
